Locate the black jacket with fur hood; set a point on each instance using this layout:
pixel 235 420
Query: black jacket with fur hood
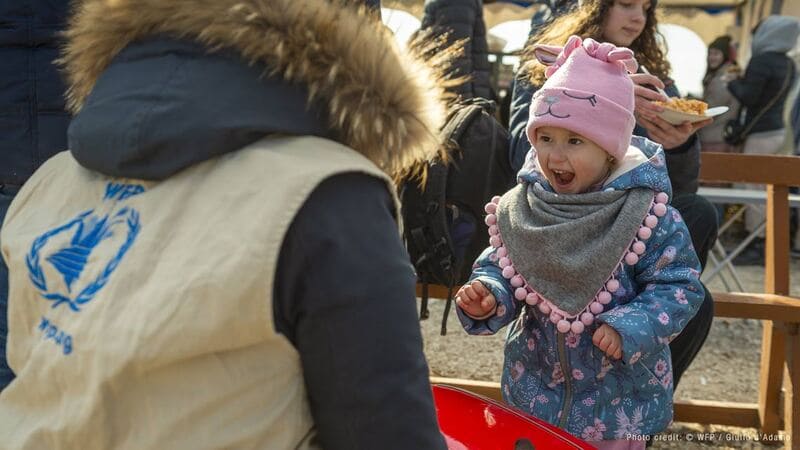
pixel 159 85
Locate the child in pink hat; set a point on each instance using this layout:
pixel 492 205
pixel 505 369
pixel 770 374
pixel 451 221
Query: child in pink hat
pixel 589 264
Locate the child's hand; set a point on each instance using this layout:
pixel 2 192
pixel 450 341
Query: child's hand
pixel 608 340
pixel 475 300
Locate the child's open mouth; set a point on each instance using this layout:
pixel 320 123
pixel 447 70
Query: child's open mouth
pixel 563 177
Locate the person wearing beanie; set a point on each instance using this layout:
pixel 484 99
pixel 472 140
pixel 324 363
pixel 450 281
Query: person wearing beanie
pixel 588 263
pixel 633 24
pixel 722 69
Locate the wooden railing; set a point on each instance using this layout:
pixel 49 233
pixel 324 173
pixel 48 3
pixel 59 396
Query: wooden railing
pixel 777 406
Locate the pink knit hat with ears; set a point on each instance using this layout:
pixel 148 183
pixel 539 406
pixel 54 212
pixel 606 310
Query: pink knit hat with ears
pixel 588 91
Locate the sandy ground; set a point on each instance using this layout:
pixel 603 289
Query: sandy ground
pixel 725 369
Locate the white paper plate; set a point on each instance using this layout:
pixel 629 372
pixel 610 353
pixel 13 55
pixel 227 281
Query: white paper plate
pixel 678 117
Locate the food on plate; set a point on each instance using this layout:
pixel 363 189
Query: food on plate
pixel 686 105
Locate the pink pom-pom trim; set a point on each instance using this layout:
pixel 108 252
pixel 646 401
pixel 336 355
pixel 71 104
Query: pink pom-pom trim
pixel 604 297
pixel 563 326
pixel 631 259
pixel 544 308
pixel 660 209
pixel 517 281
pixel 587 318
pixel 508 272
pixel 651 221
pixel 532 299
pixel 645 233
pixel 490 220
pixel 490 208
pixel 577 327
pixel 520 293
pixel 639 248
pixel 596 308
pixel 495 241
pixel 612 285
pixel 502 252
pixel 662 198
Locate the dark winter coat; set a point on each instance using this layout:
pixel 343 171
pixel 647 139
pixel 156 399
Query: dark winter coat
pixel 463 19
pixel 765 79
pixel 33 121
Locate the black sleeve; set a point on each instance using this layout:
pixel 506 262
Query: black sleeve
pixel 683 166
pixel 521 99
pixel 345 297
pixel 750 89
pixel 457 20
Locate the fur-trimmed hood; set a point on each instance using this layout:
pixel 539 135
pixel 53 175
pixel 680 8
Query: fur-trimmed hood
pixel 145 76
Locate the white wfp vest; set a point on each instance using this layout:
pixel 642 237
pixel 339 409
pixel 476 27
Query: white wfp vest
pixel 140 312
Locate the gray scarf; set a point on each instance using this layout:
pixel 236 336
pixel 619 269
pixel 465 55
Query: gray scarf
pixel 567 246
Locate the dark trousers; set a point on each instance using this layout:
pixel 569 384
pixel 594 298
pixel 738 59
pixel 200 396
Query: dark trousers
pixel 700 217
pixel 6 375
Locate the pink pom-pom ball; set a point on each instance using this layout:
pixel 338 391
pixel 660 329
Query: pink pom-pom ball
pixel 532 299
pixel 612 285
pixel 508 271
pixel 494 230
pixel 496 199
pixel 604 297
pixel 490 220
pixel 517 281
pixel 645 233
pixel 503 261
pixel 631 258
pixel 544 308
pixel 555 317
pixel 596 308
pixel 520 293
pixel 651 221
pixel 490 208
pixel 577 327
pixel 660 209
pixel 587 318
pixel 662 197
pixel 639 248
pixel 563 326
pixel 495 241
pixel 502 252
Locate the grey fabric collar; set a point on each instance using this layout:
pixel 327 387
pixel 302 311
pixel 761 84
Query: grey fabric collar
pixel 567 246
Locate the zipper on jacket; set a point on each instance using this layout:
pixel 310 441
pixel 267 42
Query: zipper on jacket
pixel 562 359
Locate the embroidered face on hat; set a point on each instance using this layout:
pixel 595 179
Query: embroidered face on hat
pixel 588 92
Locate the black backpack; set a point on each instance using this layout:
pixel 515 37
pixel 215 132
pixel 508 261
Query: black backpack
pixel 443 221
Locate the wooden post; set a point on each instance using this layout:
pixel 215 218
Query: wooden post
pixel 772 358
pixel 776 281
pixel 791 400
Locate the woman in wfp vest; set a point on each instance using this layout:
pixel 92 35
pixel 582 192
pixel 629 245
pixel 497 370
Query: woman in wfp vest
pixel 216 262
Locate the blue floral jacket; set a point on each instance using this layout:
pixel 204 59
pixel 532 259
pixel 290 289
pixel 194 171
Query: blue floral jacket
pixel 566 380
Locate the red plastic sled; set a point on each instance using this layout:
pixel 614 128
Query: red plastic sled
pixel 472 422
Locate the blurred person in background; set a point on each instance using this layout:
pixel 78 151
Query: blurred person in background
pixel 762 92
pixel 722 68
pixel 463 20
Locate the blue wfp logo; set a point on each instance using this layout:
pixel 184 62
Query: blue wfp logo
pixel 65 278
